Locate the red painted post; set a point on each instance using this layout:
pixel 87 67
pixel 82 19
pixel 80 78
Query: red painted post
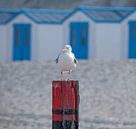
pixel 65 104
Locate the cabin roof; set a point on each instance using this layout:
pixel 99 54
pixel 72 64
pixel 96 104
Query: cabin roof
pixel 37 15
pixel 41 16
pixel 106 14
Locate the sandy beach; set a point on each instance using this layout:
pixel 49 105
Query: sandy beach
pixel 107 91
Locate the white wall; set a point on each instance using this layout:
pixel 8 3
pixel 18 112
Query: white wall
pixel 50 41
pixel 81 17
pixel 108 41
pixel 125 35
pixel 3 43
pixel 34 40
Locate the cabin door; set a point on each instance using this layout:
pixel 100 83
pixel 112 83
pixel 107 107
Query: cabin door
pixel 21 45
pixel 79 39
pixel 132 39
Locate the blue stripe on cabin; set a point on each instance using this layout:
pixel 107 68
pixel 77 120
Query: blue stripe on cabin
pixel 79 39
pixel 132 39
pixel 22 42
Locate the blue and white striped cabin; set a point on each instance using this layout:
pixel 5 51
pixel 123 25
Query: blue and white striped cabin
pixel 29 34
pixel 93 32
pixel 100 32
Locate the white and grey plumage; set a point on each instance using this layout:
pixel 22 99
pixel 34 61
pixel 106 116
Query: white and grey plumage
pixel 66 60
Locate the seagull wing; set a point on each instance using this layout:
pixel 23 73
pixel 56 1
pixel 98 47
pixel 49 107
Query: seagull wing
pixel 57 59
pixel 75 61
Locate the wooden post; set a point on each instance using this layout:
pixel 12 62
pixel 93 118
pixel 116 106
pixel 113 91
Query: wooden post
pixel 65 104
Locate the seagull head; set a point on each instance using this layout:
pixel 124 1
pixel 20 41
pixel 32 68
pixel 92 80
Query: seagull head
pixel 68 48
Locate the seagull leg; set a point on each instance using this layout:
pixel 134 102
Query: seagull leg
pixel 61 75
pixel 69 74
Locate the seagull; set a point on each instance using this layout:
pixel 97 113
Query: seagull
pixel 66 60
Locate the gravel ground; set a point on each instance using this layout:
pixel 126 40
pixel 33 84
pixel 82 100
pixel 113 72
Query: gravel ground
pixel 107 90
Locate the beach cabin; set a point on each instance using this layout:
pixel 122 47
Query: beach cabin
pixel 101 32
pixel 104 33
pixel 29 34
